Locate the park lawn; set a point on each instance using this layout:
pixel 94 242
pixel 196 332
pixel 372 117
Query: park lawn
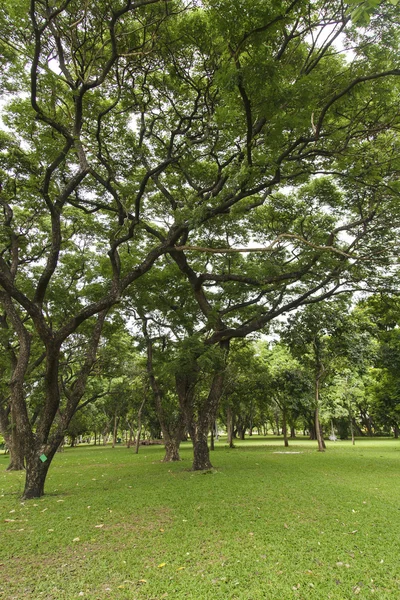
pixel 263 524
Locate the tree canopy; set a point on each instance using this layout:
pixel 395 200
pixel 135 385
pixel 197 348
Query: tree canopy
pixel 243 156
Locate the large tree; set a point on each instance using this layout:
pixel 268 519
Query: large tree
pixel 151 127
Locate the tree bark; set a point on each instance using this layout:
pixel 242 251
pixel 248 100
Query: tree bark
pixel 171 451
pixel 36 473
pixel 15 444
pixel 201 454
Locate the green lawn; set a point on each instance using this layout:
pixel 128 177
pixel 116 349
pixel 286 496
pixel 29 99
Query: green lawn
pixel 262 525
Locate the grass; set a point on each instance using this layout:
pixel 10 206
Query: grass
pixel 261 525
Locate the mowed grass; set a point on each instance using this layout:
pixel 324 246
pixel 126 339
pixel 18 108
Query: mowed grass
pixel 262 524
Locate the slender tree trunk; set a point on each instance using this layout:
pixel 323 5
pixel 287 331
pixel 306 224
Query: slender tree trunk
pixel 115 430
pixel 284 428
pixel 318 431
pixel 139 428
pixel 229 426
pixel 131 436
pixel 353 441
pixel 292 432
pixel 396 431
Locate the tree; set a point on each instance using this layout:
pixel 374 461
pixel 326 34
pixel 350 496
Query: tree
pixel 136 142
pixel 288 383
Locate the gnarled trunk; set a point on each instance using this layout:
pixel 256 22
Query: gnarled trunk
pixel 171 450
pixel 14 441
pixel 172 427
pixel 201 453
pixel 36 473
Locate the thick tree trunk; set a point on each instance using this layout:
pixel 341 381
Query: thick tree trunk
pixel 396 431
pixel 201 415
pixel 201 454
pixel 292 432
pixel 36 473
pixel 172 427
pixel 171 451
pixel 15 445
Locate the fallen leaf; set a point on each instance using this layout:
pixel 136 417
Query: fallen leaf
pixel 180 568
pixel 161 565
pixel 142 581
pixel 9 520
pixel 99 526
pixel 76 539
pixel 286 526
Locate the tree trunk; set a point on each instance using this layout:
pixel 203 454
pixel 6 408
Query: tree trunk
pixel 131 436
pixel 284 428
pixel 229 426
pixel 171 451
pixel 212 446
pixel 396 431
pixel 36 472
pixel 292 432
pixel 115 430
pixel 320 439
pixel 139 429
pixel 172 427
pixel 321 443
pixel 201 454
pixel 15 445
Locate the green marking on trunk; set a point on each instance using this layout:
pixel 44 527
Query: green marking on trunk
pixel 43 457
